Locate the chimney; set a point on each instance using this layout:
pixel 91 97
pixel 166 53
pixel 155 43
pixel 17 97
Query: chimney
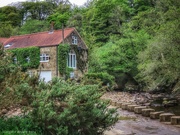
pixel 63 33
pixel 51 27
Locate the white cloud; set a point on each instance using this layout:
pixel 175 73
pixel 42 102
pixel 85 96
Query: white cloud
pixel 6 2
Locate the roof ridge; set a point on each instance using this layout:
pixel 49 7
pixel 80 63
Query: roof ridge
pixel 39 33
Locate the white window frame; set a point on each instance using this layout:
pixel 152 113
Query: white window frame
pixel 44 57
pixel 74 40
pixel 15 60
pixel 71 61
pixel 28 60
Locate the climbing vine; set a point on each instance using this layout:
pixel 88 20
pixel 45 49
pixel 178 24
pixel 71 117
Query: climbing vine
pixel 81 62
pixel 26 57
pixel 63 50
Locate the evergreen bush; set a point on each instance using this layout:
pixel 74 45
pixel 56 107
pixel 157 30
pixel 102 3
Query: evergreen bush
pixel 18 126
pixel 70 109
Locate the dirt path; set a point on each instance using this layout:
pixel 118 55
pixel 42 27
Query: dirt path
pixel 134 124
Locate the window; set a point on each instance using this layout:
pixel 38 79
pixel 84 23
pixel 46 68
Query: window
pixel 15 60
pixel 71 60
pixel 28 59
pixel 74 40
pixel 72 75
pixel 44 57
pixel 8 45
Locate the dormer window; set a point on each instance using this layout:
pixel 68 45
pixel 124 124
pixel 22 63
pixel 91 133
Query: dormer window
pixel 74 40
pixel 44 57
pixel 8 45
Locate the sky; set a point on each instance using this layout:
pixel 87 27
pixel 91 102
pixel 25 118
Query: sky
pixel 6 2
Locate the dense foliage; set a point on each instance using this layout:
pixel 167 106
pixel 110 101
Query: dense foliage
pixel 16 87
pixel 63 51
pixel 19 125
pixel 102 76
pixel 28 58
pixel 67 108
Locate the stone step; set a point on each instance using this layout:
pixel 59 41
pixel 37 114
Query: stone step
pixel 175 120
pixel 138 109
pixel 113 103
pixel 166 117
pixel 146 112
pixel 177 126
pixel 118 104
pixel 155 115
pixel 131 107
pixel 124 106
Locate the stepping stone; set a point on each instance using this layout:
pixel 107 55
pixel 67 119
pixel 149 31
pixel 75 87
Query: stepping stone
pixel 155 115
pixel 178 126
pixel 138 110
pixel 131 107
pixel 175 120
pixel 146 112
pixel 124 106
pixel 113 103
pixel 118 104
pixel 166 117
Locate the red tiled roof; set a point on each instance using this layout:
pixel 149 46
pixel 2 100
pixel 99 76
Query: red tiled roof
pixel 2 40
pixel 40 39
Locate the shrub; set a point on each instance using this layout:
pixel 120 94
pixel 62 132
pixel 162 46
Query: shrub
pixel 18 125
pixel 68 108
pixel 103 76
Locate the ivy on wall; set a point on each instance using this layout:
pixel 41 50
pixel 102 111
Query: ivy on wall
pixel 63 51
pixel 27 57
pixel 81 62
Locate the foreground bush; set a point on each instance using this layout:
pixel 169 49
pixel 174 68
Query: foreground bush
pixel 70 109
pixel 18 126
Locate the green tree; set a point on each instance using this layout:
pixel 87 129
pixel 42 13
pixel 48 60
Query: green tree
pixel 60 16
pixel 159 62
pixel 33 26
pixel 119 55
pixel 6 29
pixel 36 10
pixel 105 18
pixel 10 15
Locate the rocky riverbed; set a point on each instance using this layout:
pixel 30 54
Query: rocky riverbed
pixel 134 124
pixel 159 102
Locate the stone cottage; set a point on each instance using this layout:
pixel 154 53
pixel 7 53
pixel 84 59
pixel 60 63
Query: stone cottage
pixel 48 43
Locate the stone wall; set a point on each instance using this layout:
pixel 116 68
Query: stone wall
pixel 84 50
pixel 51 64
